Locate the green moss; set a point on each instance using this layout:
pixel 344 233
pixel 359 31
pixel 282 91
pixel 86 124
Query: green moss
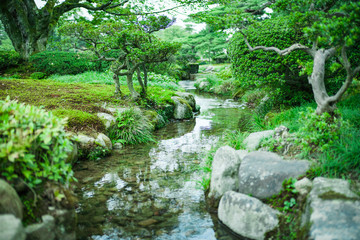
pixel 79 120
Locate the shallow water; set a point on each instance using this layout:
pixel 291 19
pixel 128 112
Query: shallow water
pixel 149 191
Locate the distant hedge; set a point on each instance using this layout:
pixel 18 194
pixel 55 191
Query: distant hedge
pixel 55 62
pixel 9 59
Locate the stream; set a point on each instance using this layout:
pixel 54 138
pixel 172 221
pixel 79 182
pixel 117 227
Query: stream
pixel 150 191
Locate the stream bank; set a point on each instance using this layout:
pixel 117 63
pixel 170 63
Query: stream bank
pixel 149 191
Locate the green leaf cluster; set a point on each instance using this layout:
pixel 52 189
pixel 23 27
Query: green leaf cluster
pixel 131 127
pixel 9 59
pixel 33 145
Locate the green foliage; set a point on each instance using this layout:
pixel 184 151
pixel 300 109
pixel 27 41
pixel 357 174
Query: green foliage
pixel 131 127
pixel 33 145
pixel 9 59
pixel 235 139
pixel 342 157
pixel 62 63
pixel 98 152
pixel 318 131
pixel 279 76
pixel 38 75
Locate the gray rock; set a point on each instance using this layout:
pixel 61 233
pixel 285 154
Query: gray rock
pixel 261 174
pixel 203 85
pixel 107 119
pixel 332 210
pixel 11 228
pixel 253 140
pixel 103 141
pixel 42 231
pixel 246 215
pixel 9 200
pixel 224 172
pixel 303 186
pixel 182 108
pixel 117 146
pixel 65 224
pixel 189 98
pixel 85 141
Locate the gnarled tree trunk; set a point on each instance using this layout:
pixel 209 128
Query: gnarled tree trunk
pixel 27 27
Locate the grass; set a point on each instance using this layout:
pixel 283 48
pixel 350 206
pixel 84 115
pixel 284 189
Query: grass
pixel 80 97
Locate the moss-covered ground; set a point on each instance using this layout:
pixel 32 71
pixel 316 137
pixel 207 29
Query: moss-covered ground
pixel 79 102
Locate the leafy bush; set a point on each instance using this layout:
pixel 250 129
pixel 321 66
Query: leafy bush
pixel 279 76
pixel 318 131
pixel 131 127
pixel 62 62
pixel 33 146
pixel 9 59
pixel 38 75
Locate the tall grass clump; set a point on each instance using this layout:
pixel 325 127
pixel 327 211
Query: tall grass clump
pixel 131 127
pixel 342 158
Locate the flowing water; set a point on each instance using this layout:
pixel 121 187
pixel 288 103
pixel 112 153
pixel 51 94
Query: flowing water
pixel 150 191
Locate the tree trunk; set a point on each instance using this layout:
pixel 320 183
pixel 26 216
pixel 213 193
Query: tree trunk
pixel 27 27
pixel 317 81
pixel 117 85
pixel 143 91
pixel 134 95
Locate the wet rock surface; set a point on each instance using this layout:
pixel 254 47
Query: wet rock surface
pixel 11 228
pixel 261 174
pixel 224 176
pixel 10 201
pixel 247 216
pixel 332 210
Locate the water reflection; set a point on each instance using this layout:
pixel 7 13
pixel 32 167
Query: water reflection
pixel 149 191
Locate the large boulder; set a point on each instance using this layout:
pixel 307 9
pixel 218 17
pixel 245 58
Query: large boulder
pixel 224 171
pixel 247 216
pixel 189 98
pixel 10 201
pixel 11 228
pixel 107 119
pixel 261 174
pixel 332 210
pixel 85 141
pixel 253 140
pixel 182 108
pixel 42 231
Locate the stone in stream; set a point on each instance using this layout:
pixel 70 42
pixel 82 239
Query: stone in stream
pixel 224 176
pixel 189 98
pixel 252 142
pixel 9 200
pixel 332 210
pixel 11 228
pixel 247 216
pixel 261 174
pixel 42 231
pixel 182 108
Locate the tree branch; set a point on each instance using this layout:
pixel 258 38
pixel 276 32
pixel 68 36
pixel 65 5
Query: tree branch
pixel 147 13
pixel 350 75
pixel 286 51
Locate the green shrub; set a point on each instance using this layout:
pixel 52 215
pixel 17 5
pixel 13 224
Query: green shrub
pixel 131 127
pixel 62 62
pixel 33 146
pixel 318 131
pixel 279 76
pixel 38 75
pixel 235 139
pixel 9 59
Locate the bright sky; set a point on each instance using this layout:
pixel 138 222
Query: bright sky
pixel 180 14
